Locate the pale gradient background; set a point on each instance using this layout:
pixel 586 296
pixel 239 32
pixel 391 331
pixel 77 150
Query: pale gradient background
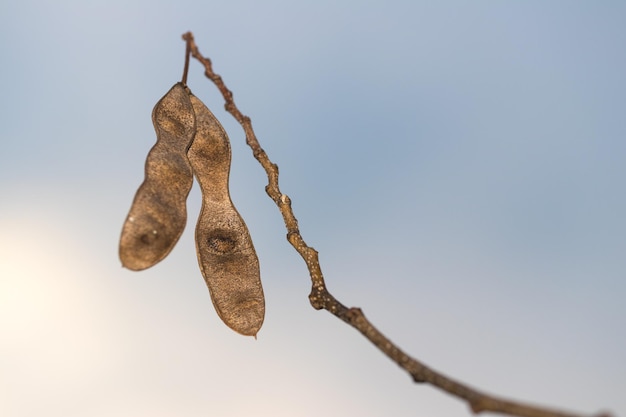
pixel 460 166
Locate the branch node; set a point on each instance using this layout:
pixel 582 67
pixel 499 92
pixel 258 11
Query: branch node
pixel 315 300
pixel 353 314
pixel 418 379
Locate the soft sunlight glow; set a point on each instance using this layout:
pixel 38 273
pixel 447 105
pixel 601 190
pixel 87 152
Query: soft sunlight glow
pixel 54 329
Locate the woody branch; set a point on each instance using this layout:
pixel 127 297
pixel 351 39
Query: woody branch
pixel 321 298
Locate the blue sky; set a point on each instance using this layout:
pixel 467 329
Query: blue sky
pixel 458 165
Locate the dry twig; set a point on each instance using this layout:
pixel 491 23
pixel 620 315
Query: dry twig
pixel 320 298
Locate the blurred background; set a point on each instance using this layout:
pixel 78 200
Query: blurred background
pixel 459 166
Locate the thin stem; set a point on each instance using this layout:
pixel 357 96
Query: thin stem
pixel 321 298
pixel 186 69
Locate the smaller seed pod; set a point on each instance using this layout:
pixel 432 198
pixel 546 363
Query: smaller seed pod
pixel 225 251
pixel 158 214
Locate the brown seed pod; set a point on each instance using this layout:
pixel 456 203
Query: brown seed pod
pixel 158 214
pixel 226 255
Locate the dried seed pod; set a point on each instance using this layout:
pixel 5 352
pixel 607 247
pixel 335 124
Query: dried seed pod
pixel 226 255
pixel 158 214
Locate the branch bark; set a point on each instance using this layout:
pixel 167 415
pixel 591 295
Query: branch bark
pixel 321 298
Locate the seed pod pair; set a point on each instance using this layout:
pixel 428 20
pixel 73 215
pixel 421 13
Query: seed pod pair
pixel 190 140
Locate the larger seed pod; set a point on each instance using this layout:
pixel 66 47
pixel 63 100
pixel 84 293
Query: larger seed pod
pixel 225 252
pixel 158 214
